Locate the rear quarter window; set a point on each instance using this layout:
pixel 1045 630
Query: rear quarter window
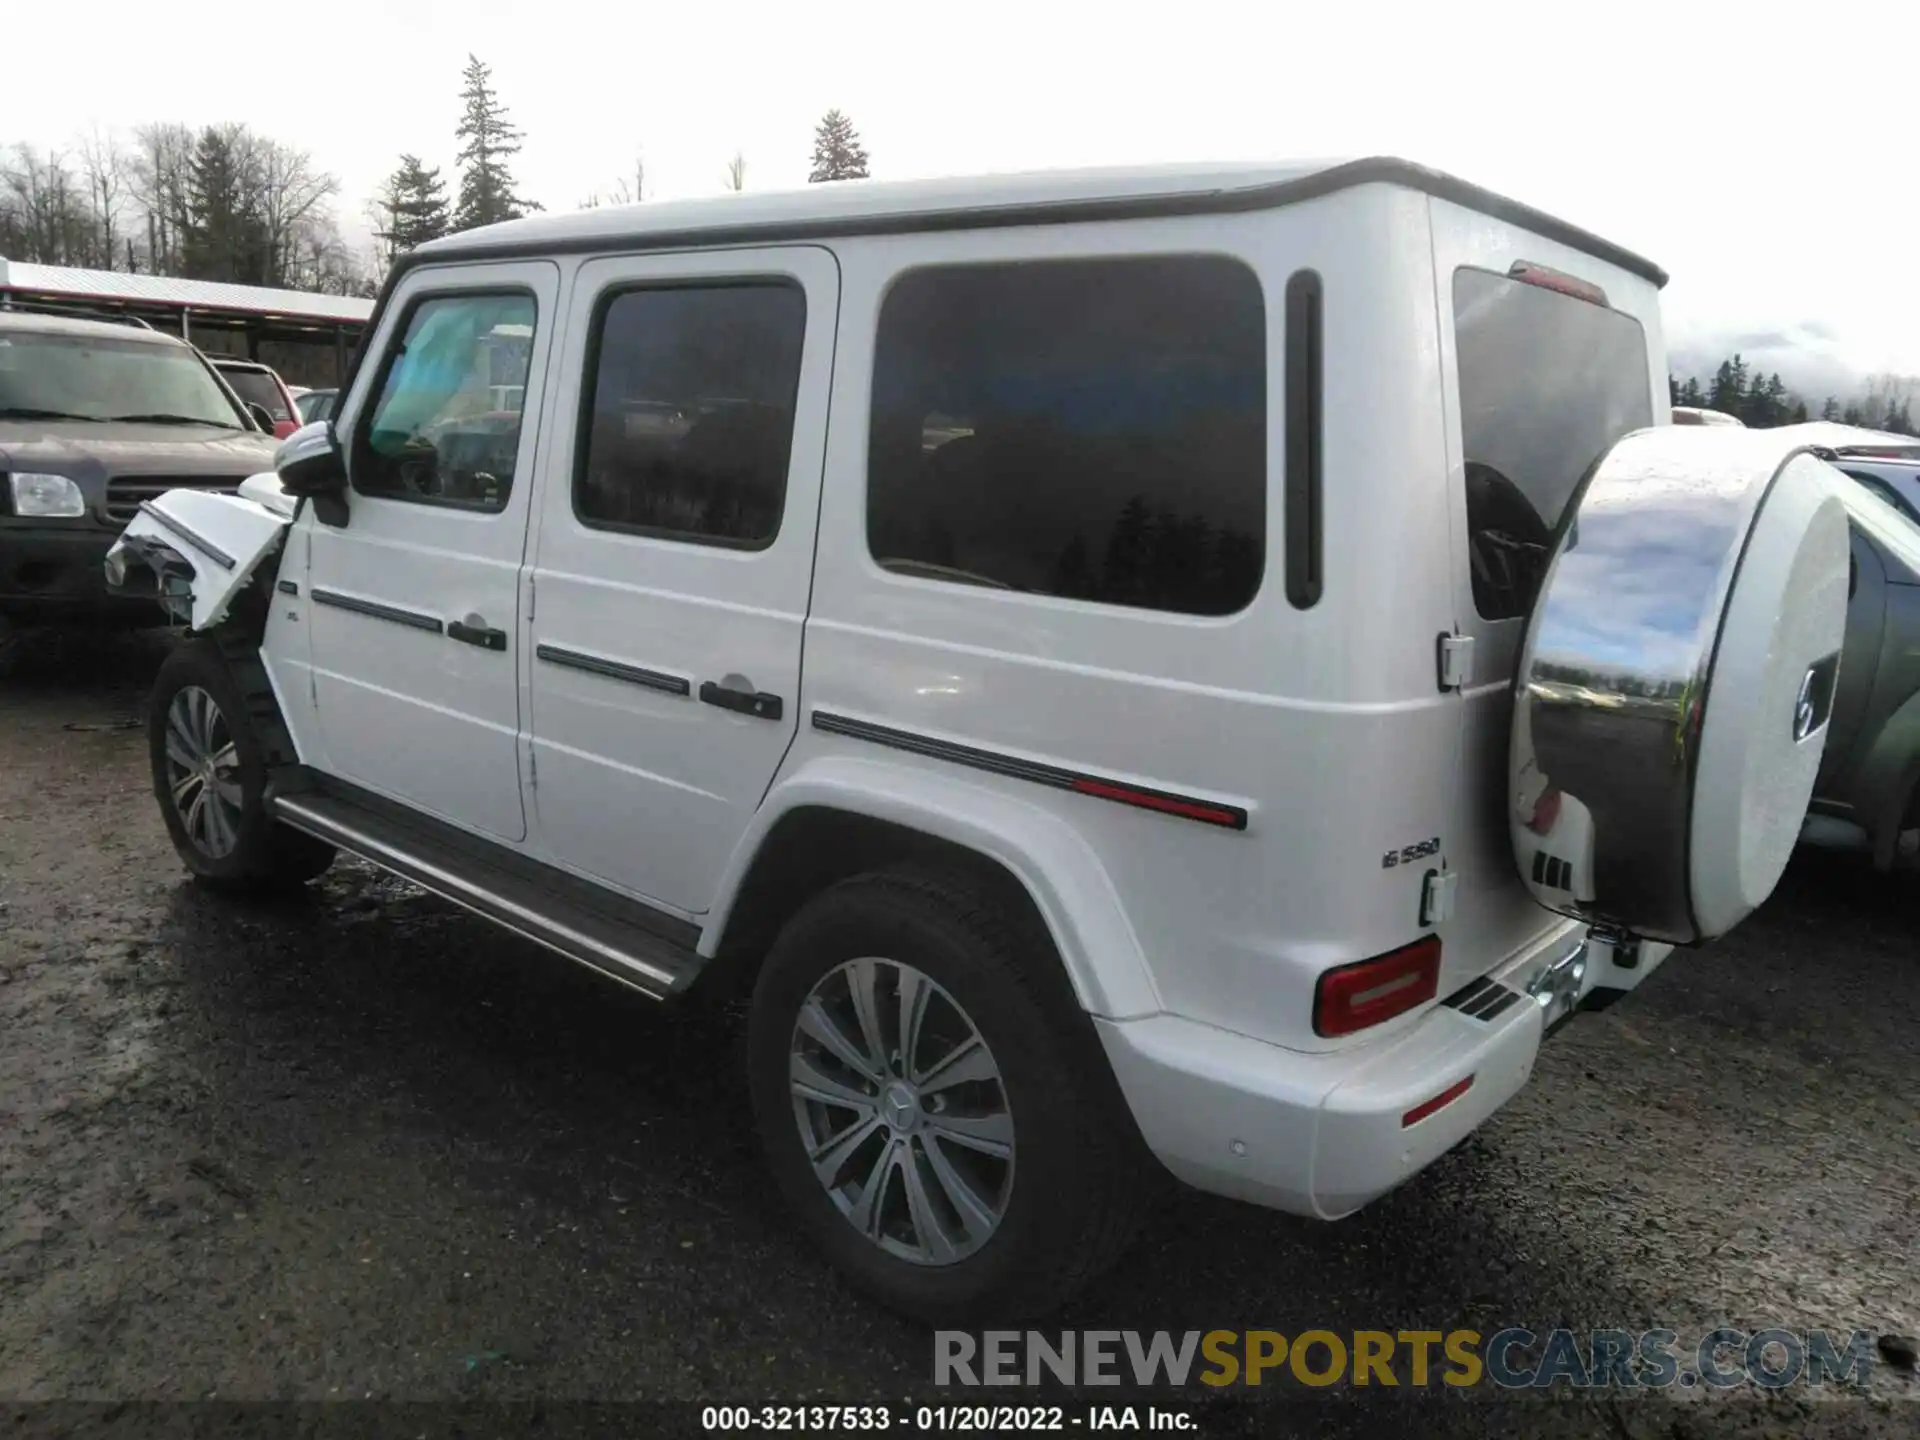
pixel 1091 429
pixel 1548 383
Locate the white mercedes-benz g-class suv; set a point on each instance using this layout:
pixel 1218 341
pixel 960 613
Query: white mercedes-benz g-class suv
pixel 1190 668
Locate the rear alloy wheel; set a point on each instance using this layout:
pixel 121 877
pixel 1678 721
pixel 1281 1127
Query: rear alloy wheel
pixel 934 1106
pixel 902 1111
pixel 210 777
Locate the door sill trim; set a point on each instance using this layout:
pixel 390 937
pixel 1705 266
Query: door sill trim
pixel 516 898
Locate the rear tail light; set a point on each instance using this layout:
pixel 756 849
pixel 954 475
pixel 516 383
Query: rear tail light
pixel 1370 992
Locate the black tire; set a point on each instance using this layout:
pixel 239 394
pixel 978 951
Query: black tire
pixel 264 855
pixel 1081 1177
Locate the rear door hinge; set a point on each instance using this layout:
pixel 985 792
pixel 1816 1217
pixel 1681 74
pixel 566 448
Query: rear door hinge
pixel 1456 661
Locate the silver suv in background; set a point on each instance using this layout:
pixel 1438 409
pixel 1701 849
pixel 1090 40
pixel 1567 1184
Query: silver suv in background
pixel 1868 791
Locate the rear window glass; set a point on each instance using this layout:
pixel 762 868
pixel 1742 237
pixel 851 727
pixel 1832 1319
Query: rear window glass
pixel 1094 429
pixel 257 388
pixel 1547 384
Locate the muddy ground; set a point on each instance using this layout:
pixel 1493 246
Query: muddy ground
pixel 361 1147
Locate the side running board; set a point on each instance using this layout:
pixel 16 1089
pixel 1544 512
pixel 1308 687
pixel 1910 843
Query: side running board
pixel 642 948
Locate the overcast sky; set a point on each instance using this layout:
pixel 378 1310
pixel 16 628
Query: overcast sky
pixel 1738 150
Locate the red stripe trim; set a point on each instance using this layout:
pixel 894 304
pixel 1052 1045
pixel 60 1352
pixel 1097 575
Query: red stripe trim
pixel 1147 800
pixel 1446 1097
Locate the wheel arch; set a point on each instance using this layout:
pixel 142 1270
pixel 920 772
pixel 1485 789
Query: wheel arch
pixel 841 816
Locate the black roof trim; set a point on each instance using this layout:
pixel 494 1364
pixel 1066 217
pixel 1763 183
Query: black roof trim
pixel 1381 170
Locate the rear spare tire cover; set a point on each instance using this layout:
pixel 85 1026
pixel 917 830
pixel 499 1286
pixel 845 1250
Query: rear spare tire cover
pixel 1672 697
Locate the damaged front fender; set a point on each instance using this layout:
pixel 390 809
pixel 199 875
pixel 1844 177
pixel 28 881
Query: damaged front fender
pixel 195 552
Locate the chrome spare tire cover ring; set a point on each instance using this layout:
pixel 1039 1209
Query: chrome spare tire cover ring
pixel 902 1111
pixel 203 772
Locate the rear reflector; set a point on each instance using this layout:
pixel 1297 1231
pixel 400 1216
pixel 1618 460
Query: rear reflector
pixel 1369 992
pixel 1446 1097
pixel 1527 273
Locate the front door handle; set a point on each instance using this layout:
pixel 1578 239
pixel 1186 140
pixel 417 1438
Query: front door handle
pixel 475 631
pixel 747 702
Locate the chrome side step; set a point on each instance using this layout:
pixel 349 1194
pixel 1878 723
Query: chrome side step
pixel 643 949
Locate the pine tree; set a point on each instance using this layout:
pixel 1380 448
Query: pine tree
pixel 1728 392
pixel 415 204
pixel 1830 410
pixel 1799 416
pixel 224 236
pixel 488 139
pixel 837 151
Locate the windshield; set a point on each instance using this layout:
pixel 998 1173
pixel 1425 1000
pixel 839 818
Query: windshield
pixel 102 377
pixel 256 387
pixel 1547 384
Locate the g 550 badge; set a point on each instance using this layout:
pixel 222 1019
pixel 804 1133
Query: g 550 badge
pixel 1410 854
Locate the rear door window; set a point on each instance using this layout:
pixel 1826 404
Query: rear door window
pixel 1548 383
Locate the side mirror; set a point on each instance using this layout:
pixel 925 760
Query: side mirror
pixel 309 463
pixel 262 416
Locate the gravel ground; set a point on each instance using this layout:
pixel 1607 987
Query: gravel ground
pixel 360 1146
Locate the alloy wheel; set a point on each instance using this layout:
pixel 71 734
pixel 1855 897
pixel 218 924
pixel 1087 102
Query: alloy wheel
pixel 203 772
pixel 902 1110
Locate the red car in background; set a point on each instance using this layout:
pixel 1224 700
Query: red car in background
pixel 258 384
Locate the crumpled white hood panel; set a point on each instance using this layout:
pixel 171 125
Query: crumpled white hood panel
pixel 222 538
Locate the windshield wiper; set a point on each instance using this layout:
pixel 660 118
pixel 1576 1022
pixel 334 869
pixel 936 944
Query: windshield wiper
pixel 164 419
pixel 32 412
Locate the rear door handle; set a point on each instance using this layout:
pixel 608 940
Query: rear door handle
pixel 746 702
pixel 475 631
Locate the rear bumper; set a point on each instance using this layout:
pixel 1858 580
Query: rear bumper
pixel 1324 1134
pixel 54 571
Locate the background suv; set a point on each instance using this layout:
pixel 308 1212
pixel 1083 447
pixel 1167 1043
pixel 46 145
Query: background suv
pixel 1868 792
pixel 95 418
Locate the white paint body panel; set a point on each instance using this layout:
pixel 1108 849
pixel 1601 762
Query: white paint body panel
pixel 224 537
pixel 607 751
pixel 1196 948
pixel 405 711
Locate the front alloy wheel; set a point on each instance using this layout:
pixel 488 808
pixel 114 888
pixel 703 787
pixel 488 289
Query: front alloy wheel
pixel 203 772
pixel 902 1111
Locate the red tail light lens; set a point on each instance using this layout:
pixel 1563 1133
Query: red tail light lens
pixel 1369 992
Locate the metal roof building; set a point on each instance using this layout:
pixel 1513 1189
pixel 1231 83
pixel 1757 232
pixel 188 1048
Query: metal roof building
pixel 301 332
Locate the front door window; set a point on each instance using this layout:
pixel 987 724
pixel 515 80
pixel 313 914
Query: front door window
pixel 446 428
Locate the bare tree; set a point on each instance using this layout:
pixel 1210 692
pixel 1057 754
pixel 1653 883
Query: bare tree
pixel 104 164
pixel 623 191
pixel 43 211
pixel 290 196
pixel 737 172
pixel 160 170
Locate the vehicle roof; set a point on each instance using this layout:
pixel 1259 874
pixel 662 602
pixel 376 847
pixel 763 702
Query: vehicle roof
pixel 857 207
pixel 1829 435
pixel 31 323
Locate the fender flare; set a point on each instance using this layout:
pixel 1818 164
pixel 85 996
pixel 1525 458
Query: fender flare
pixel 1069 886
